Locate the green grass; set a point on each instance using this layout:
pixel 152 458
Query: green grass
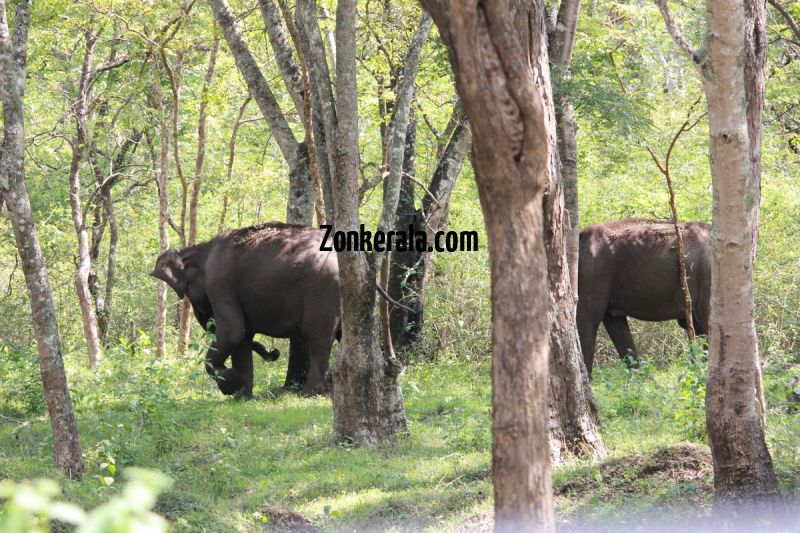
pixel 238 463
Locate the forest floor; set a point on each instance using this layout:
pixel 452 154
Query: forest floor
pixel 270 464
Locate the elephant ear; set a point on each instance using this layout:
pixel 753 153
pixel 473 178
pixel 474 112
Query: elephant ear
pixel 170 269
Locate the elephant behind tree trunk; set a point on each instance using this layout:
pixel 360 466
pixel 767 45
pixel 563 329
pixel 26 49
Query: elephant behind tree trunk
pixel 629 268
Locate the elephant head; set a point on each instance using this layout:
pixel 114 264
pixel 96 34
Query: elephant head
pixel 170 269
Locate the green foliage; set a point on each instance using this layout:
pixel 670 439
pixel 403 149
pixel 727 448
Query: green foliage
pixel 32 506
pixel 690 411
pixel 260 464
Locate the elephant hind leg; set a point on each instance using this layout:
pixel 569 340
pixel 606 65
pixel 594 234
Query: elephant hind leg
pixel 587 332
pixel 620 333
pixel 319 354
pixel 298 363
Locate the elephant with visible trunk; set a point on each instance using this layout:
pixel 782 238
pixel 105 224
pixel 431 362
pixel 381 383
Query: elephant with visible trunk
pixel 270 279
pixel 629 268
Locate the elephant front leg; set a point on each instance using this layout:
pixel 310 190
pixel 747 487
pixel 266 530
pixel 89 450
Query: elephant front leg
pixel 227 378
pixel 242 361
pixel 229 337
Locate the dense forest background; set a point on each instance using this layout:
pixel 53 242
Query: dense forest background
pixel 240 464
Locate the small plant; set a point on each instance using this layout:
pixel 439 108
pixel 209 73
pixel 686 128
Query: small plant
pixel 690 411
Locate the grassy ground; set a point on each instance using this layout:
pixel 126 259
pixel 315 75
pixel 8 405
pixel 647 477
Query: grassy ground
pixel 270 464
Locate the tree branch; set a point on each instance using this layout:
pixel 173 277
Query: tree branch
pixel 675 32
pixel 787 17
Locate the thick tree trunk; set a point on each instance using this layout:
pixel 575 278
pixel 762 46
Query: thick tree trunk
pixel 742 464
pixel 84 266
pixel 13 57
pixel 491 53
pixel 574 424
pixel 367 399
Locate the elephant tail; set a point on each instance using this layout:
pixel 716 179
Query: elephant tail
pixel 266 355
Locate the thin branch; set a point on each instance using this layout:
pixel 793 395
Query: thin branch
pixel 786 16
pixel 675 32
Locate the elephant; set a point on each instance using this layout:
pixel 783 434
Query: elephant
pixel 271 279
pixel 629 268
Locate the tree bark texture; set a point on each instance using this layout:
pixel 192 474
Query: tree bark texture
pixel 367 399
pixel 562 41
pixel 490 51
pixel 406 266
pixel 13 59
pixel 84 266
pixel 574 421
pixel 742 464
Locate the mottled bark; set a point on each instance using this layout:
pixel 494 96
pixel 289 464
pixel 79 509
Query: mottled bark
pixel 561 43
pixel 284 57
pixel 300 208
pixel 13 59
pixel 84 266
pixel 406 267
pixel 491 52
pixel 323 109
pixel 742 464
pixel 399 128
pixel 574 423
pixel 367 399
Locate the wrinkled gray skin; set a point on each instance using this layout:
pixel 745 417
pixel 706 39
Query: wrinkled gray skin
pixel 270 279
pixel 629 268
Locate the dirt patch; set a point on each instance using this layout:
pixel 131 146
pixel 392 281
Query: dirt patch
pixel 283 520
pixel 680 463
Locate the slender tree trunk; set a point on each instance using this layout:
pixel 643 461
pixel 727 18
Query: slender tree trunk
pixel 406 266
pixel 561 43
pixel 162 176
pixel 367 399
pixel 184 329
pixel 491 53
pixel 13 57
pixel 755 59
pixel 231 156
pixel 90 329
pixel 310 45
pixel 111 265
